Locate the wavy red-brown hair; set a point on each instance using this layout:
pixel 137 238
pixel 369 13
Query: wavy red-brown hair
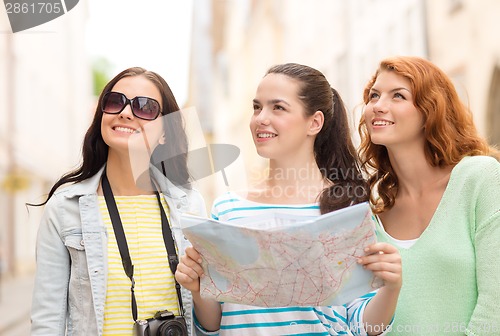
pixel 449 129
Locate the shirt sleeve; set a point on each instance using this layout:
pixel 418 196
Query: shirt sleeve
pixel 199 330
pixel 485 319
pixel 355 313
pixel 49 306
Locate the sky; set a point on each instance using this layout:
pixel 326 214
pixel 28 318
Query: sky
pixel 154 34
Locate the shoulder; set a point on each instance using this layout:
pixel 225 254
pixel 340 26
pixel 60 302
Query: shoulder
pixel 62 206
pixel 479 162
pixel 476 187
pixel 67 197
pixel 478 167
pixel 63 195
pixel 81 188
pixel 228 201
pixel 225 198
pixel 232 198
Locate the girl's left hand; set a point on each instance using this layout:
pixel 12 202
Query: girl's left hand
pixel 384 261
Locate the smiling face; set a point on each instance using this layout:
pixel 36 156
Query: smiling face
pixel 279 124
pixel 117 129
pixel 392 120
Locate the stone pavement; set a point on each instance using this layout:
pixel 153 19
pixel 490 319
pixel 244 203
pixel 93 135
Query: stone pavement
pixel 15 304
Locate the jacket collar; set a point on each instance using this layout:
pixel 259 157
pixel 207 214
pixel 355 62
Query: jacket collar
pixel 86 187
pixel 90 185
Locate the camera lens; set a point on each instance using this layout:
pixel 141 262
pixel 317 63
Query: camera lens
pixel 172 328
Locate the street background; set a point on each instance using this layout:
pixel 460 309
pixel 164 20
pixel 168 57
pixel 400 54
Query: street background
pixel 213 54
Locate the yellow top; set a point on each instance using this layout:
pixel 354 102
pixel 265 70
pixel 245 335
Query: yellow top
pixel 154 282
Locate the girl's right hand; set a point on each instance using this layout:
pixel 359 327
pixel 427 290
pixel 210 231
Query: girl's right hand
pixel 384 261
pixel 189 270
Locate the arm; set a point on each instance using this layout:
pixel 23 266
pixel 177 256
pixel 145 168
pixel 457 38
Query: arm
pixel 485 319
pixel 49 306
pixel 385 262
pixel 208 312
pixel 486 316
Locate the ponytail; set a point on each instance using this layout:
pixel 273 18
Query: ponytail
pixel 337 159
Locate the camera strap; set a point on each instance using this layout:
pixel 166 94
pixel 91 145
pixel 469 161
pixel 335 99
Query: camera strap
pixel 173 259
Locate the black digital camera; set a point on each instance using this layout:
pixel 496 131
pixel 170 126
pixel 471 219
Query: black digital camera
pixel 164 323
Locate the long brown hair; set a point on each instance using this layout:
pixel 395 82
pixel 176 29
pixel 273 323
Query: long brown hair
pixel 449 129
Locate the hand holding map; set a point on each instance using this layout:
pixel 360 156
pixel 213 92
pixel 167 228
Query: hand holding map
pixel 284 260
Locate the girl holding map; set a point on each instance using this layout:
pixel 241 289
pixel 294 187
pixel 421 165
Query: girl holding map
pixel 438 198
pixel 299 124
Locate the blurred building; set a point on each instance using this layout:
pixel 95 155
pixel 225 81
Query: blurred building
pixel 235 42
pixel 463 41
pixel 45 106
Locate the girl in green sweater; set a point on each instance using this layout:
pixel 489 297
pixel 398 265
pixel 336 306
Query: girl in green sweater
pixel 437 197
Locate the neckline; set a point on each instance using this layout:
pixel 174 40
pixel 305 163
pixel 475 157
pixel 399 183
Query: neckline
pixel 131 196
pixel 437 212
pixel 402 243
pixel 241 198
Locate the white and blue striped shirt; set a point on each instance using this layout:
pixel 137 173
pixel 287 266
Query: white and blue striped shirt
pixel 240 319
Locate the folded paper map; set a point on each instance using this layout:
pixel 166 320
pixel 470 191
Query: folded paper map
pixel 280 260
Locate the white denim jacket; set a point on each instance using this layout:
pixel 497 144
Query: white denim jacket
pixel 70 281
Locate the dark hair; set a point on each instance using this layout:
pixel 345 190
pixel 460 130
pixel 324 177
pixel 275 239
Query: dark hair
pixel 95 150
pixel 333 148
pixel 449 130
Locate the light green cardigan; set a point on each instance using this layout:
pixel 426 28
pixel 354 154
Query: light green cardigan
pixel 451 275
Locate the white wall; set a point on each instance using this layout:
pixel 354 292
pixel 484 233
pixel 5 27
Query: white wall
pixel 47 93
pixel 464 42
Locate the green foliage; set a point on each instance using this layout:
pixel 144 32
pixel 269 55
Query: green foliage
pixel 101 68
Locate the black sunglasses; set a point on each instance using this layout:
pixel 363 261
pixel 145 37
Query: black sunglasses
pixel 142 107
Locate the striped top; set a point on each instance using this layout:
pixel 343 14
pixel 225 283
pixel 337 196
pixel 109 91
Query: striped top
pixel 154 282
pixel 250 320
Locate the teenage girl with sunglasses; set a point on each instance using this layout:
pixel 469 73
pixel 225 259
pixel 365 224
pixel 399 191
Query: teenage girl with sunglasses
pixel 81 287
